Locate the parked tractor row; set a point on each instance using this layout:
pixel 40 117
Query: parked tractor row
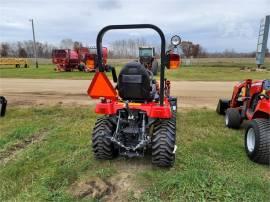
pixel 85 59
pixel 139 114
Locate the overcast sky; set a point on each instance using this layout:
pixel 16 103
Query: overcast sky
pixel 215 24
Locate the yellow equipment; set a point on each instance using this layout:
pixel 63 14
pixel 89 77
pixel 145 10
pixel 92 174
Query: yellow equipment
pixel 18 62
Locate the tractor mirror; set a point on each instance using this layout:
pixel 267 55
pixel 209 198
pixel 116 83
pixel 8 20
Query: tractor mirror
pixel 174 61
pixel 173 58
pixel 175 40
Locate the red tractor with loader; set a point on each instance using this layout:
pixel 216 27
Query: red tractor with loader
pixel 250 101
pixel 138 113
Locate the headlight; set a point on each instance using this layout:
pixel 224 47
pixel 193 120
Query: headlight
pixel 176 40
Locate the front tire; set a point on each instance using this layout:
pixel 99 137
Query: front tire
pixel 163 143
pixel 233 118
pixel 257 141
pixel 102 146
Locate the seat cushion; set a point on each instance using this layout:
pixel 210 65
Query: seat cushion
pixel 134 82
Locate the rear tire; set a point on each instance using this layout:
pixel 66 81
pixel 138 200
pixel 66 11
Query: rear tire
pixel 222 106
pixel 232 118
pixel 155 67
pixel 102 146
pixel 163 143
pixel 257 141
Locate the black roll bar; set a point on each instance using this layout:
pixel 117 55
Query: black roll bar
pixel 135 26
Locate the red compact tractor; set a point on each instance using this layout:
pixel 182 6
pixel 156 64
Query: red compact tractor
pixel 65 59
pixel 251 101
pixel 139 114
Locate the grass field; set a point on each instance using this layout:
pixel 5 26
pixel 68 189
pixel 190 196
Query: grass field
pixel 206 70
pixel 46 151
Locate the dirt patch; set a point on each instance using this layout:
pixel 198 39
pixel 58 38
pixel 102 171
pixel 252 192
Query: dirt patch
pixel 15 149
pixel 122 186
pixel 117 188
pixel 125 187
pixel 94 188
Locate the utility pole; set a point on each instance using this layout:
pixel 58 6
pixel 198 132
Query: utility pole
pixel 34 39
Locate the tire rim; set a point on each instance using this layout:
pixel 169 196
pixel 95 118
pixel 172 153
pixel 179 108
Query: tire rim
pixel 226 120
pixel 251 140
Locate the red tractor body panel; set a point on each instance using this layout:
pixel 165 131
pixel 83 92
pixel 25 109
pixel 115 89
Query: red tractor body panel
pixel 153 109
pixel 262 110
pixel 256 87
pixel 110 103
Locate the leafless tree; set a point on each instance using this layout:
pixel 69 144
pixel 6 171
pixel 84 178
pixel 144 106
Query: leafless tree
pixel 66 43
pixel 21 50
pixel 192 50
pixel 4 49
pixel 77 45
pixel 126 48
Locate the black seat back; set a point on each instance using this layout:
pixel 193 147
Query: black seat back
pixel 134 83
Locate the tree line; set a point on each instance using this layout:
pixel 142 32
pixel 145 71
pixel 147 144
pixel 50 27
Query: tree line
pixel 124 48
pixel 25 49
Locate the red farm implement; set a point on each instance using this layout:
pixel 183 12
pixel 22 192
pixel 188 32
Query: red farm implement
pixel 65 59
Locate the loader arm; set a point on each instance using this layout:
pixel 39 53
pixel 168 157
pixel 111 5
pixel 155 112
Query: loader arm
pixel 237 90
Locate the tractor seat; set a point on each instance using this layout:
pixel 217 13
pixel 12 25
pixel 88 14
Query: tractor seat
pixel 134 83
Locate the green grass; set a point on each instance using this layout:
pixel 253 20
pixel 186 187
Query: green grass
pixel 211 164
pixel 216 73
pixel 198 72
pixel 43 72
